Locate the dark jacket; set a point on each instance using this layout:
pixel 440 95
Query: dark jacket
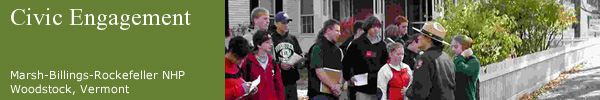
pixel 284 45
pixel 410 58
pixel 434 79
pixel 346 43
pixel 364 57
pixel 324 54
pixel 466 73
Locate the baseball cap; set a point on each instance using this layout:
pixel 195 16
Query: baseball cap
pixel 281 16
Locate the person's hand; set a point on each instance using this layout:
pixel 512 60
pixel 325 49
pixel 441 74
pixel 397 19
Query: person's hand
pixel 404 91
pixel 253 91
pixel 467 53
pixel 247 88
pixel 345 86
pixel 335 88
pixel 286 66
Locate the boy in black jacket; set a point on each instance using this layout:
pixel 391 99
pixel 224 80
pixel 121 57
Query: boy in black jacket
pixel 365 57
pixel 285 47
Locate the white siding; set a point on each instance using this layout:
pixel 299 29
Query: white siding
pixel 239 12
pixel 292 8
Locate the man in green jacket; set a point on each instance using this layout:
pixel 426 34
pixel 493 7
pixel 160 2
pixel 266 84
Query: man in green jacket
pixel 466 68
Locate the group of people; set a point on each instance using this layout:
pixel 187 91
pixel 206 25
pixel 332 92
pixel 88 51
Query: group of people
pixel 267 52
pixel 371 66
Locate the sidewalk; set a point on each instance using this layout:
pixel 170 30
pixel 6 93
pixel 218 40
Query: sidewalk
pixel 302 85
pixel 583 85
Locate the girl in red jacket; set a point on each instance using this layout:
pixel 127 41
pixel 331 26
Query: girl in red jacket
pixel 260 63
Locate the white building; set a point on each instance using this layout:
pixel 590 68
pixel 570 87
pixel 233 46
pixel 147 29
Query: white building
pixel 308 15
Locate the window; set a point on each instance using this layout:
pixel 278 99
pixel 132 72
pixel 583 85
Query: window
pixel 307 16
pixel 307 24
pixel 335 10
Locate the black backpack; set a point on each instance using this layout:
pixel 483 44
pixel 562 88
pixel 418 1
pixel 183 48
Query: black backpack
pixel 308 57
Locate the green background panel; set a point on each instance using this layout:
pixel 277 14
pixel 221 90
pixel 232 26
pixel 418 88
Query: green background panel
pixel 193 49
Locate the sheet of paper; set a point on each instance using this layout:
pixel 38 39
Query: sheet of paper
pixel 294 59
pixel 361 80
pixel 253 85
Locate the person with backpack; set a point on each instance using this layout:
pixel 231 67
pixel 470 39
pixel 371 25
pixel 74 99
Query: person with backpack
pixel 357 31
pixel 261 65
pixel 235 86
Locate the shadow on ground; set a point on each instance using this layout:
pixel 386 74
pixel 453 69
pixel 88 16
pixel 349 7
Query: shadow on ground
pixel 583 85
